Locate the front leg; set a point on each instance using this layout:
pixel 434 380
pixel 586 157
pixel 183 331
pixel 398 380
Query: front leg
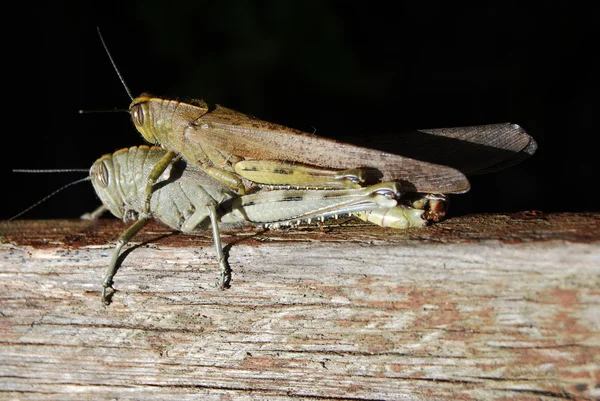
pixel 121 242
pixel 158 169
pixel 99 211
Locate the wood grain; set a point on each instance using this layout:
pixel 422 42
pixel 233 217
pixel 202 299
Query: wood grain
pixel 486 307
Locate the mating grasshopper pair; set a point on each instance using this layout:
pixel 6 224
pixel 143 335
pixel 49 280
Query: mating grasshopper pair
pixel 219 165
pixel 137 184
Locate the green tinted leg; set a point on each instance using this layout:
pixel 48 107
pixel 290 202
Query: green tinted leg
pixel 223 264
pixel 121 242
pixel 155 174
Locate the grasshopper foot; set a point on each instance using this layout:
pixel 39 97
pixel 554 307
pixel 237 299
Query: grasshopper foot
pixel 225 280
pixel 107 298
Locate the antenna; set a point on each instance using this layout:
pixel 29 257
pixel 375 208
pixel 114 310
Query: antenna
pixel 48 196
pixel 103 111
pixel 63 170
pixel 114 65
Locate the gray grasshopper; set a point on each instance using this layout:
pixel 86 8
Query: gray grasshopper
pixel 185 197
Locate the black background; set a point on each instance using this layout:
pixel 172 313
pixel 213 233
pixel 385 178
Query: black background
pixel 345 68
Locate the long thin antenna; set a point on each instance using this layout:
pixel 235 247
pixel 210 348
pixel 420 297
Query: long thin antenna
pixel 103 111
pixel 64 170
pixel 49 196
pixel 114 65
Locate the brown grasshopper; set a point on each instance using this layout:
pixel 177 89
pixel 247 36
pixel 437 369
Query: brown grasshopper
pixel 241 151
pixel 184 198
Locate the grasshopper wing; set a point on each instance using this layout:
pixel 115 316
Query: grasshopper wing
pixel 472 150
pixel 242 135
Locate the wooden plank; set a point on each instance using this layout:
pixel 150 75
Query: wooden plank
pixel 489 307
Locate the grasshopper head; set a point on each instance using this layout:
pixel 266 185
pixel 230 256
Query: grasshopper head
pixel 140 114
pixel 104 180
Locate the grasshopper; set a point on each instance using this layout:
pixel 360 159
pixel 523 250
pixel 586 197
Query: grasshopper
pixel 241 151
pixel 185 197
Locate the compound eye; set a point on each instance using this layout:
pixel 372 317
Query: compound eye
pixel 137 114
pixel 102 175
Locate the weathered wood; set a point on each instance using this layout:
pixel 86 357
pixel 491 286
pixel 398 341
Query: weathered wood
pixel 489 307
